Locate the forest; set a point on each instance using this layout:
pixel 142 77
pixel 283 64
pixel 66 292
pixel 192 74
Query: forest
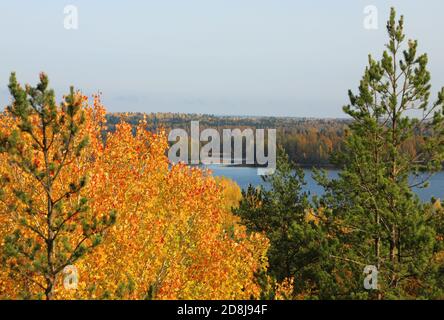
pixel 309 142
pixel 92 208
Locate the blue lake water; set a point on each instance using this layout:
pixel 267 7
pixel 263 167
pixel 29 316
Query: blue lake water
pixel 245 176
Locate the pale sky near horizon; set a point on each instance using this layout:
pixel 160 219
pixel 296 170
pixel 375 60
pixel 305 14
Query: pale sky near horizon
pixel 230 57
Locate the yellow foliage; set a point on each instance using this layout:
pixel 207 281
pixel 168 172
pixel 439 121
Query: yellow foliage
pixel 175 236
pixel 232 193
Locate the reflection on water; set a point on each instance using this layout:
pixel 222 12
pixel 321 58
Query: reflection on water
pixel 245 176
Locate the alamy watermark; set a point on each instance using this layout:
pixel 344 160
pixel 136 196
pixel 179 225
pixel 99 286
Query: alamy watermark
pixel 71 17
pixel 371 19
pixel 71 278
pixel 189 150
pixel 371 278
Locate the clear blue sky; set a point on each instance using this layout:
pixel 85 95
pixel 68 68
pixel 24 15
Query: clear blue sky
pixel 252 57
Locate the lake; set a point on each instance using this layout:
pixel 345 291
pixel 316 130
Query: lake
pixel 245 176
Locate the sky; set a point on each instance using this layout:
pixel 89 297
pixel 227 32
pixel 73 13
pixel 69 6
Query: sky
pixel 225 57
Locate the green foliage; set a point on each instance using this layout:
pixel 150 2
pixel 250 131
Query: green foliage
pixel 379 220
pixel 297 245
pixel 369 215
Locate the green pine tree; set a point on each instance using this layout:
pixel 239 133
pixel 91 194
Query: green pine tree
pixel 297 250
pixel 379 219
pixel 45 248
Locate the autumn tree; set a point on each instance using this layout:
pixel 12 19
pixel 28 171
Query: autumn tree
pixel 175 236
pixel 49 222
pixel 379 219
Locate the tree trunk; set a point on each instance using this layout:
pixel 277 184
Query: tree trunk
pixel 50 282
